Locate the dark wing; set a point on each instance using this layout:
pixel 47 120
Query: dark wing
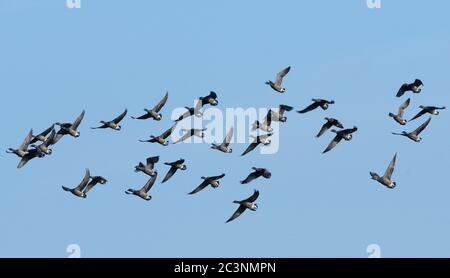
pixel 250 148
pixel 281 75
pixel 403 106
pixel 252 177
pixel 152 160
pixel 333 143
pixel 120 117
pixel 27 157
pixel 186 114
pixel 252 198
pixel 324 128
pixel 168 132
pixel 402 90
pixel 228 138
pixel 143 117
pixel 200 187
pixel 217 177
pixel 58 137
pixel 149 183
pixel 161 104
pixel 284 108
pixel 90 185
pixel 51 138
pixel 85 180
pixel 44 133
pixel 421 113
pixel 422 127
pixel 238 212
pixel 310 107
pixel 78 120
pixel 268 119
pixel 390 168
pixel 26 141
pixel 169 174
pixel 184 137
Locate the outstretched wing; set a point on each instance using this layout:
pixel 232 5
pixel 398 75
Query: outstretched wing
pixel 78 120
pixel 324 128
pixel 200 187
pixel 252 198
pixel 161 103
pixel 26 141
pixel 281 75
pixel 284 108
pixel 333 143
pixel 85 181
pixel 422 127
pixel 120 117
pixel 152 160
pixel 390 168
pixel 237 213
pixel 43 133
pixel 27 157
pixel 143 117
pixel 187 135
pixel 228 138
pixel 421 113
pixel 217 177
pixel 250 148
pixel 403 106
pixel 310 107
pixel 402 90
pixel 168 132
pixel 251 177
pixel 170 173
pixel 268 119
pixel 149 183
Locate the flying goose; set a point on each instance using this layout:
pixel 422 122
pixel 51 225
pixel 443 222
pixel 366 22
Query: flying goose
pixel 213 181
pixel 264 126
pixel 210 99
pixel 414 135
pixel 262 139
pixel 68 129
pixel 174 166
pixel 43 135
pixel 433 110
pixel 147 168
pixel 190 133
pixel 22 150
pixel 78 191
pixel 330 123
pixel 94 181
pixel 345 134
pixel 43 149
pixel 161 139
pixel 277 85
pixel 322 103
pixel 143 192
pixel 191 111
pixel 114 124
pixel 258 172
pixel 31 154
pixel 279 116
pixel 386 179
pixel 248 203
pixel 415 87
pixel 401 110
pixel 224 147
pixel 155 112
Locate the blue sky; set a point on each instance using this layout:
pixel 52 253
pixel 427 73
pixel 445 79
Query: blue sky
pixel 112 55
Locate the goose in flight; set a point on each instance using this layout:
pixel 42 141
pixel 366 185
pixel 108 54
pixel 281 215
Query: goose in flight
pixel 78 191
pixel 415 87
pixel 386 179
pixel 265 125
pixel 189 133
pixel 224 147
pixel 279 116
pixel 114 124
pixel 433 110
pixel 23 149
pixel 154 113
pixel 322 103
pixel 345 134
pixel 147 168
pixel 401 111
pixel 262 139
pixel 174 166
pixel 213 181
pixel 414 135
pixel 329 124
pixel 143 192
pixel 191 111
pixel 277 84
pixel 161 139
pixel 210 99
pixel 43 135
pixel 258 172
pixel 248 203
pixel 68 129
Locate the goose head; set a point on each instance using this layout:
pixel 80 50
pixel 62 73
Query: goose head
pixel 183 167
pixel 393 184
pixel 269 129
pixel 213 102
pixel 348 137
pixel 118 127
pixel 418 139
pixel 254 206
pixel 266 142
pixel 77 134
pixel 283 119
pixel 158 117
pixel 165 142
pixel 435 112
pixel 230 150
pixel 403 121
pixel 49 151
pixel 325 106
pixel 147 197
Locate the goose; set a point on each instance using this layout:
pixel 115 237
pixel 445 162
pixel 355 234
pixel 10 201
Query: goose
pixel 277 85
pixel 94 181
pixel 31 154
pixel 174 166
pixel 258 172
pixel 189 133
pixel 191 111
pixel 322 103
pixel 386 179
pixel 78 191
pixel 345 134
pixel 161 139
pixel 224 147
pixel 414 135
pixel 433 110
pixel 264 126
pixel 22 150
pixel 43 135
pixel 147 168
pixel 213 181
pixel 68 128
pixel 155 112
pixel 262 139
pixel 114 124
pixel 415 87
pixel 143 192
pixel 248 203
pixel 401 110
pixel 279 116
pixel 210 99
pixel 330 123
pixel 43 149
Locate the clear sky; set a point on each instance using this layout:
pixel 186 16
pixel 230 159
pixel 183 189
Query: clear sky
pixel 112 55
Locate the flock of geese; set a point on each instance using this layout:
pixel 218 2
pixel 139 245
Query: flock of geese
pixel 38 146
